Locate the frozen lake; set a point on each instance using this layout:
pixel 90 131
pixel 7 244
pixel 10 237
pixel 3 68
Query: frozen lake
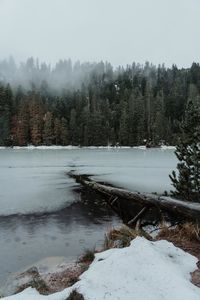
pixel 41 215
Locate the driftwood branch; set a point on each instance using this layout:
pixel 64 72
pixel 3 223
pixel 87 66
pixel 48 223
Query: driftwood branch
pixel 138 216
pixel 182 208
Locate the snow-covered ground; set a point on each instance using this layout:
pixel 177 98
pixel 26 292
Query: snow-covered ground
pixel 144 270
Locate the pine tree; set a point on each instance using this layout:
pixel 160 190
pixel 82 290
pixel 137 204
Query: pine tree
pixel 36 118
pixel 48 135
pixel 64 132
pixel 20 129
pixel 5 115
pixel 57 131
pixel 187 183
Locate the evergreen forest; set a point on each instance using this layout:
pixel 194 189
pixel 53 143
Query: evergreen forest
pixel 94 104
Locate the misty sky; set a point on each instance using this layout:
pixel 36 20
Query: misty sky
pixel 119 31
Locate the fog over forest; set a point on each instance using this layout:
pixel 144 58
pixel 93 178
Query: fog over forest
pixel 63 75
pixel 94 104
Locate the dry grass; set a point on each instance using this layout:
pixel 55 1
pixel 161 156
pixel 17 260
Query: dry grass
pixel 184 232
pixel 88 256
pixel 119 238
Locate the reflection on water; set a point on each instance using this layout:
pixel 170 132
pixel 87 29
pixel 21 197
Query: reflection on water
pixel 26 239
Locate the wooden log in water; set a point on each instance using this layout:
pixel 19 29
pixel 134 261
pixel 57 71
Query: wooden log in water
pixel 189 210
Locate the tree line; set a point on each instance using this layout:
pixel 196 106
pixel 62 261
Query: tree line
pixel 127 106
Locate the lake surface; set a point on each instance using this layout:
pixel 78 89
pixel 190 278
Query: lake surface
pixel 40 213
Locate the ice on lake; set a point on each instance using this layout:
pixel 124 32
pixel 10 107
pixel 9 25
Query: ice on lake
pixel 42 216
pixel 35 180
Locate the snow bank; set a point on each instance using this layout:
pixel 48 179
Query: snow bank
pixel 145 270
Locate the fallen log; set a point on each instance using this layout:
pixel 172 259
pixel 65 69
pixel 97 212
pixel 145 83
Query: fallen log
pixel 186 209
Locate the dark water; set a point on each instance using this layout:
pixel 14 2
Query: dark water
pixel 26 239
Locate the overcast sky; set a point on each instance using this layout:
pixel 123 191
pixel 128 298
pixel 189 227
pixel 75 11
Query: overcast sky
pixel 119 31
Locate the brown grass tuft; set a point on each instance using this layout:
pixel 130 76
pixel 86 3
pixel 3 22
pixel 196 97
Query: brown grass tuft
pixel 88 256
pixel 181 233
pixel 119 238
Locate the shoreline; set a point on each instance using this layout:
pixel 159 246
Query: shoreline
pixel 48 276
pixel 70 147
pixel 67 275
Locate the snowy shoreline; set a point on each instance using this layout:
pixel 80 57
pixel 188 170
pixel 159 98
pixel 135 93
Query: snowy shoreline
pixel 70 147
pixel 159 270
